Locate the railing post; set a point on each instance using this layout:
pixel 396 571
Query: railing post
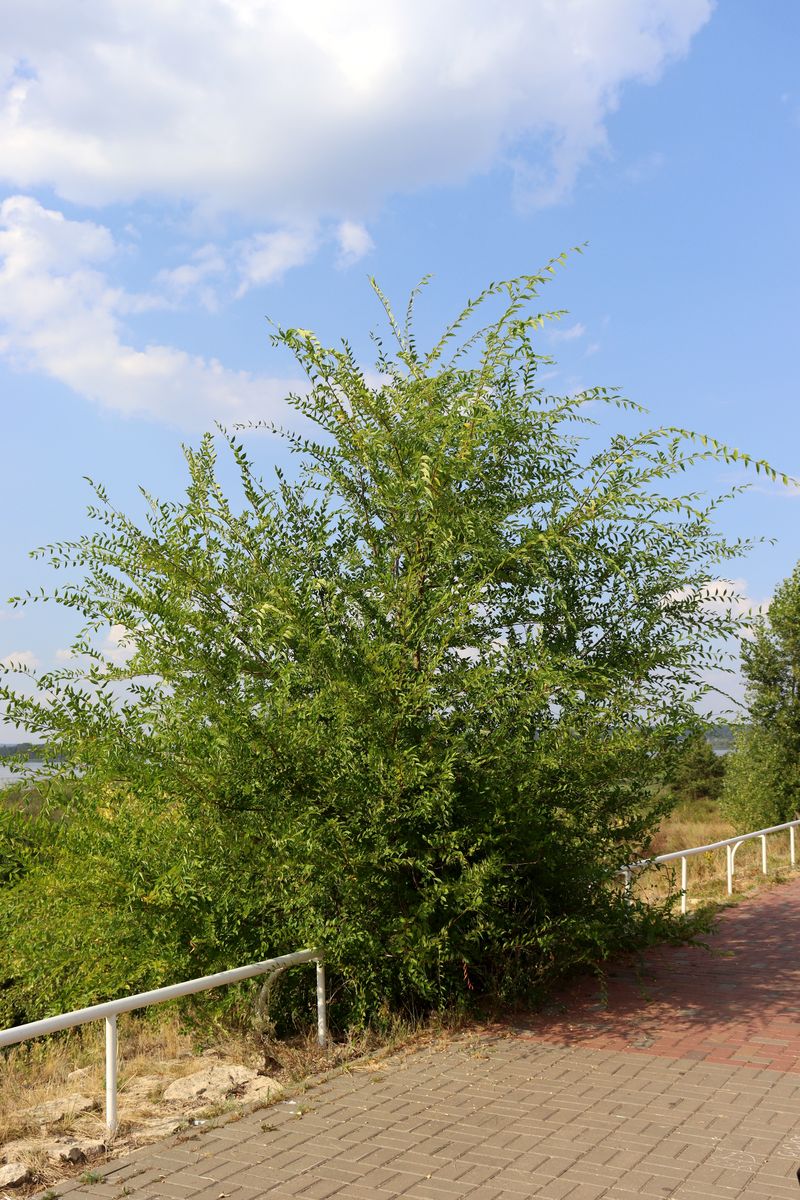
pixel 322 1005
pixel 111 1075
pixel 109 1011
pixel 730 870
pixel 683 884
pixel 731 846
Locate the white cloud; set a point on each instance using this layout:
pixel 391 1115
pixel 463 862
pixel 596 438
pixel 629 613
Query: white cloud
pixel 783 491
pixel 726 595
pixel 728 692
pixel 257 261
pixel 734 594
pixel 354 243
pixel 289 112
pixel 266 257
pixel 192 280
pixel 19 658
pixel 116 646
pixel 728 686
pixel 567 335
pixel 60 315
pixel 9 616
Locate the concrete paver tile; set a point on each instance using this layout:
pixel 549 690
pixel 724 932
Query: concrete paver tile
pixel 692 1093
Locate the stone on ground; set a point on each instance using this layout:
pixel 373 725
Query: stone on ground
pixel 14 1174
pixel 52 1111
pixel 212 1085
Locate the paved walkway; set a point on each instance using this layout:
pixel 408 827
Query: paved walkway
pixel 687 1085
pixel 738 1004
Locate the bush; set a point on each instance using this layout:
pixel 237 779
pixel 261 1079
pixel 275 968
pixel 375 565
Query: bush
pixel 23 839
pixel 407 705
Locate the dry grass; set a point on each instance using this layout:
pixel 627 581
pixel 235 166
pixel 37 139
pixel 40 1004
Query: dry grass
pixel 700 824
pixel 72 1065
pixel 691 824
pixel 154 1051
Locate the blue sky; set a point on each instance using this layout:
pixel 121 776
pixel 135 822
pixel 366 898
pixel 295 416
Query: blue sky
pixel 170 175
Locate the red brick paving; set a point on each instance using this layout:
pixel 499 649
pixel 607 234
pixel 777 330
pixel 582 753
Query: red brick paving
pixel 739 1004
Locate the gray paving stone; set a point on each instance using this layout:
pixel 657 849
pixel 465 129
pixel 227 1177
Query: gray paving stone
pixel 527 1120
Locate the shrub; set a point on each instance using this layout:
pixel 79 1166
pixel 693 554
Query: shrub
pixel 407 704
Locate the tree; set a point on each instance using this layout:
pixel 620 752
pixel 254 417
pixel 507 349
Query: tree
pixel 763 782
pixel 698 771
pixel 407 703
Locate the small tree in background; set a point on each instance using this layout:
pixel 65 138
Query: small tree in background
pixel 408 704
pixel 763 780
pixel 698 772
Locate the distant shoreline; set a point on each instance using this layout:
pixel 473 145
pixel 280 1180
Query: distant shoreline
pixel 13 749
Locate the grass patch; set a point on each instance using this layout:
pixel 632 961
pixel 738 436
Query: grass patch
pixel 72 1064
pixel 700 823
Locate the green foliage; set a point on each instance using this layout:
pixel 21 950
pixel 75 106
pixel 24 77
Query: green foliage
pixel 26 833
pixel 763 785
pixel 407 704
pixel 18 843
pixel 698 772
pixel 754 795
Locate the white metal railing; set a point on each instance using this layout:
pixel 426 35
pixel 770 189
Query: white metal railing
pixel 110 1010
pixel 731 845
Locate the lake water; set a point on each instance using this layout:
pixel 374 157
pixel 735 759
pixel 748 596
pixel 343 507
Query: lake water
pixel 7 775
